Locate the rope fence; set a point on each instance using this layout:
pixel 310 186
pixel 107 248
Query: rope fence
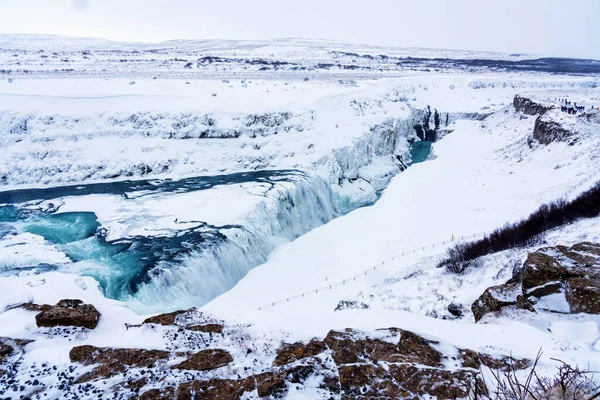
pixel 399 256
pixel 373 268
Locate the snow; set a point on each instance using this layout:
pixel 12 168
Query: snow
pixel 344 137
pixel 161 214
pixel 476 182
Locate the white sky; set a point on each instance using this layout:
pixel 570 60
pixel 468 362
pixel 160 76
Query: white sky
pixel 551 27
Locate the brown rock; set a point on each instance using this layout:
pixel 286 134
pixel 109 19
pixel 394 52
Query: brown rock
pixel 167 393
pixel 528 106
pixel 8 346
pixel 369 381
pixel 351 346
pixel 524 304
pixel 583 295
pixel 289 353
pixel 274 384
pixel 440 383
pixel 111 361
pixel 587 247
pixel 546 131
pixel 69 313
pixel 469 358
pixel 505 364
pixel 164 319
pixel 472 359
pixel 346 349
pixel 415 348
pixel 542 275
pixel 271 384
pixel 225 389
pixel 35 307
pixel 5 350
pixel 495 298
pixel 206 360
pixel 581 255
pixel 208 328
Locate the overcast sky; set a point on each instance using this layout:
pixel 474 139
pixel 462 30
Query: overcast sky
pixel 551 27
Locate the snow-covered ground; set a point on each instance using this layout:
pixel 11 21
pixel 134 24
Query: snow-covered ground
pixel 344 137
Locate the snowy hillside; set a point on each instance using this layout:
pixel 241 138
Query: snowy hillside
pixel 300 194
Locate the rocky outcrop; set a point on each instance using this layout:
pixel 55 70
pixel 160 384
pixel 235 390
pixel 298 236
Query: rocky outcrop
pixel 10 350
pixel 497 297
pixel 206 328
pixel 5 349
pixel 215 389
pixel 351 305
pixel 69 313
pixel 289 353
pixel 546 131
pixel 455 309
pixel 348 364
pixel 110 362
pixel 206 360
pixel 528 106
pixel 187 319
pixel 392 363
pixel 558 270
pixel 583 295
pixel 35 307
pixel 165 319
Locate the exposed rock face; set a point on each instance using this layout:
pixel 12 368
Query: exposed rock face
pixel 350 364
pixel 289 353
pixel 547 131
pixel 583 295
pixel 397 364
pixel 528 106
pixel 208 328
pixel 351 305
pixel 206 360
pixel 35 307
pixel 542 275
pixel 167 393
pixel 187 319
pixel 455 309
pixel 112 362
pixel 69 313
pixel 215 389
pixel 10 350
pixel 572 270
pixel 5 350
pixel 164 319
pixel 495 298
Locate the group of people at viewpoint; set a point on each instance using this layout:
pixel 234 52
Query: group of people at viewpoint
pixel 571 107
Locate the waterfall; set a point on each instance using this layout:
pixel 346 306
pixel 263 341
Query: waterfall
pixel 290 210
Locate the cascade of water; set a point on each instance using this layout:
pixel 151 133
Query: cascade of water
pixel 192 267
pixel 290 210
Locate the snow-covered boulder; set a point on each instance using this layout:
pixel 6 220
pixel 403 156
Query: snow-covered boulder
pixel 568 276
pixel 69 313
pixel 497 297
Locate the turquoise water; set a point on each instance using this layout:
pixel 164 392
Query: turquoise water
pixel 420 151
pixel 63 228
pixel 9 214
pixel 124 267
pixel 119 266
